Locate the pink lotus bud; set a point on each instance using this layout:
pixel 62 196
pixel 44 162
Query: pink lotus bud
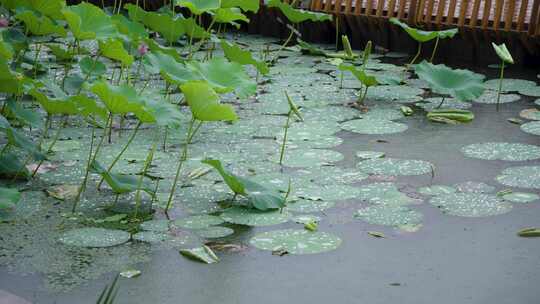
pixel 4 22
pixel 142 49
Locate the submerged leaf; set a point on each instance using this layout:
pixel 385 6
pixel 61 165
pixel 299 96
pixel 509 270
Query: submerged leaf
pixel 9 197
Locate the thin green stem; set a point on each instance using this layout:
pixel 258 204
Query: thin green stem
pixel 337 33
pixel 434 50
pixel 283 46
pixel 183 157
pixel 500 86
pixel 147 164
pixel 442 101
pixel 361 100
pixel 117 158
pixel 36 58
pixel 284 143
pixel 91 159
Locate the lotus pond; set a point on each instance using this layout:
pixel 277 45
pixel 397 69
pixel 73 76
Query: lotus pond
pixel 168 159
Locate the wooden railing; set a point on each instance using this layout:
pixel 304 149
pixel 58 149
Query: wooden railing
pixel 521 16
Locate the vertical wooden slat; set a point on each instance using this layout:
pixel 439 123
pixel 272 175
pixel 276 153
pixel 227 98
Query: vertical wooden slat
pixel 451 11
pixel 401 10
pixel 522 13
pixel 463 12
pixel 440 11
pixel 474 16
pixel 420 10
pixel 411 14
pixel 348 6
pixel 358 7
pixel 380 7
pixel 509 18
pixel 429 13
pixel 368 7
pixel 498 12
pixel 337 6
pixel 486 15
pixel 390 11
pixel 534 18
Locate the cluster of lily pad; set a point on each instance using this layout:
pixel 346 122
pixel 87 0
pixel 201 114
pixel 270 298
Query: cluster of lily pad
pixel 225 131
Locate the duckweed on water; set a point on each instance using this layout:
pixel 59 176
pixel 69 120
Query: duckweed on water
pixel 502 151
pixel 394 166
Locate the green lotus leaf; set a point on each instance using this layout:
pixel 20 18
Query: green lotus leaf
pixel 120 183
pixel 121 99
pixel 503 53
pixel 194 30
pixel 159 111
pixel 198 7
pixel 424 36
pixel 6 50
pixel 221 73
pixel 114 49
pixel 360 74
pixel 91 67
pixel 11 166
pixel 245 5
pixel 50 8
pixel 298 15
pixel 87 21
pixel 461 84
pixel 204 102
pixel 9 197
pixel 60 53
pixel 234 53
pixel 230 15
pixel 170 28
pixel 153 46
pixel 15 38
pixel 133 29
pixel 259 196
pixel 40 26
pixel 10 82
pixel 93 237
pixel 24 115
pixel 439 115
pixel 19 140
pixel 201 254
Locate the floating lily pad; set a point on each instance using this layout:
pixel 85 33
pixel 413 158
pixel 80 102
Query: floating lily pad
pixel 253 217
pixel 94 237
pixel 380 112
pixel 430 104
pixel 532 127
pixel 502 151
pixel 436 190
pixel 521 197
pixel 474 187
pixel 214 232
pixel 304 158
pixel 509 84
pixel 329 114
pixel 384 194
pixel 155 225
pixel 369 154
pixel 198 221
pixel 316 142
pixel 373 126
pixel 532 114
pixel 490 97
pixel 537 102
pixel 389 215
pixel 326 192
pixel 295 241
pixel 309 206
pixel 395 93
pixel 521 177
pixel 201 254
pixel 306 219
pixel 395 166
pixel 333 175
pixel 530 91
pixel 471 204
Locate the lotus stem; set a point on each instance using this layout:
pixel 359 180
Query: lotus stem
pixel 500 86
pixel 440 105
pixel 55 139
pixel 337 32
pixel 183 157
pixel 36 58
pixel 341 80
pixel 98 55
pixel 434 50
pixel 147 164
pixel 413 60
pixel 117 158
pixel 165 134
pixel 286 127
pixel 282 46
pixel 91 158
pixel 363 96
